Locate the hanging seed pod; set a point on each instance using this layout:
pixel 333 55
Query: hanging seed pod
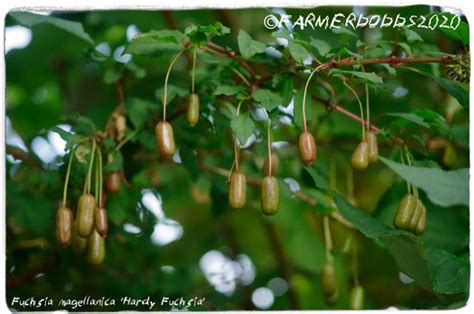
pixel 113 182
pixel 357 298
pixel 85 215
pixel 96 249
pixel 373 147
pixel 270 195
pixel 101 222
pixel 193 110
pixel 416 215
pixel 307 146
pixel 237 189
pixel 405 211
pixel 64 221
pixel 360 156
pixel 275 165
pixel 329 283
pixel 79 244
pixel 420 227
pixel 165 139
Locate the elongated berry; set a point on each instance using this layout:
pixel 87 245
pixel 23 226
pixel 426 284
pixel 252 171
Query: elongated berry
pixel 405 211
pixel 85 215
pixel 165 139
pixel 95 249
pixel 275 165
pixel 113 182
pixel 307 147
pixel 420 227
pixel 64 221
pixel 79 244
pixel 416 215
pixel 360 156
pixel 193 110
pixel 101 221
pixel 329 282
pixel 237 190
pixel 357 298
pixel 373 147
pixel 270 195
pixel 328 279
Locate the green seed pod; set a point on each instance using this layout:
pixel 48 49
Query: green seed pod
pixel 79 244
pixel 96 249
pixel 416 215
pixel 329 283
pixel 165 139
pixel 112 182
pixel 64 221
pixel 275 164
pixel 270 195
pixel 420 227
pixel 85 215
pixel 193 110
pixel 357 298
pixel 405 212
pixel 373 147
pixel 101 222
pixel 360 156
pixel 307 146
pixel 237 189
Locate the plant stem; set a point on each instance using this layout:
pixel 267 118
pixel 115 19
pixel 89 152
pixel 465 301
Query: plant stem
pixel 166 81
pixel 236 148
pixel 68 172
pixel 101 176
pixel 327 238
pixel 304 96
pixel 193 70
pixel 242 77
pixel 367 105
pixel 269 143
pixel 360 106
pixel 87 185
pixel 402 158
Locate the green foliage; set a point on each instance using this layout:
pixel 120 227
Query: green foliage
pixel 249 47
pixel 243 126
pixel 445 188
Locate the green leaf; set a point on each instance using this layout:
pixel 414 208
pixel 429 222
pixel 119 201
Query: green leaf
pixel 139 111
pixel 431 269
pixel 412 36
pixel 455 89
pixel 444 188
pixel 242 126
pixel 298 52
pixel 151 46
pixel 450 273
pixel 228 90
pixel 249 47
pixel 461 33
pixel 267 99
pixel 425 118
pixel 368 77
pixel 298 111
pixel 165 35
pixel 320 45
pixel 29 20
